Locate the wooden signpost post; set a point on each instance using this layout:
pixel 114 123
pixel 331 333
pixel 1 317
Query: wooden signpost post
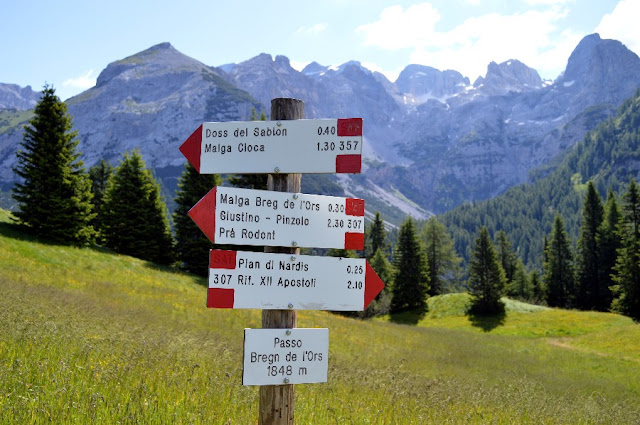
pixel 280 280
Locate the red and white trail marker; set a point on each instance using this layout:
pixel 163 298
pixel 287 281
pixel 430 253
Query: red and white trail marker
pixel 242 279
pixel 264 218
pixel 295 146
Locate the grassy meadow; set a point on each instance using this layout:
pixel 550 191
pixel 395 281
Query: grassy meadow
pixel 88 336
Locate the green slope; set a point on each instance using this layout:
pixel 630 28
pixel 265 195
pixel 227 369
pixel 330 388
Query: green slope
pixel 609 156
pixel 93 337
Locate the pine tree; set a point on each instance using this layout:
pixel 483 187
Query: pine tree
pixel 99 175
pixel 54 196
pixel 377 236
pixel 487 281
pixel 135 215
pixel 608 244
pixel 627 269
pixel 192 246
pixel 559 267
pixel 520 287
pixel 444 263
pixel 411 283
pixel 588 258
pixel 508 259
pixel 537 287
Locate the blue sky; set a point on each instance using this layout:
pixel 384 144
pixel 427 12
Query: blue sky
pixel 68 43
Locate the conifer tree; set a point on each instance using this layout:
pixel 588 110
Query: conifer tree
pixel 627 269
pixel 53 196
pixel 559 267
pixel 508 259
pixel 487 281
pixel 520 287
pixel 377 236
pixel 444 263
pixel 99 175
pixel 537 287
pixel 135 215
pixel 608 245
pixel 588 258
pixel 411 283
pixel 192 246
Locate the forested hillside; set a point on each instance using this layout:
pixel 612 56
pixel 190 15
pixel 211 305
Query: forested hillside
pixel 609 156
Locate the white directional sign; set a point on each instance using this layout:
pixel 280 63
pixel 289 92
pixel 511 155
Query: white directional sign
pixel 285 356
pixel 265 218
pixel 242 279
pixel 296 146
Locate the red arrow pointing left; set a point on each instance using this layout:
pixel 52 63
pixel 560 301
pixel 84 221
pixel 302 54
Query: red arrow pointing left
pixel 203 214
pixel 191 148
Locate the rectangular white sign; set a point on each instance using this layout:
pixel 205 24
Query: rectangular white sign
pixel 285 356
pixel 296 146
pixel 266 218
pixel 242 279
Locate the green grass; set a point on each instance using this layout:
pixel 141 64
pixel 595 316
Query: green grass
pixel 94 337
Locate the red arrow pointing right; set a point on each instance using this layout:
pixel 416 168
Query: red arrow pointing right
pixel 372 285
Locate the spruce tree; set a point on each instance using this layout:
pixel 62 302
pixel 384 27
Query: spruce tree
pixel 53 195
pixel 135 215
pixel 377 236
pixel 559 267
pixel 627 269
pixel 444 263
pixel 537 287
pixel 411 283
pixel 608 245
pixel 192 246
pixel 487 280
pixel 588 255
pixel 508 258
pixel 99 174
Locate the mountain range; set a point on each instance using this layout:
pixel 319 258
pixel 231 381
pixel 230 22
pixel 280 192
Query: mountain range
pixel 433 139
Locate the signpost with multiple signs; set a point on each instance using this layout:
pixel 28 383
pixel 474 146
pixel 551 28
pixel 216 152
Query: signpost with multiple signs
pixel 280 220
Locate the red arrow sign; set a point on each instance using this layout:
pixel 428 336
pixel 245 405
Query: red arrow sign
pixel 296 146
pixel 259 217
pixel 242 279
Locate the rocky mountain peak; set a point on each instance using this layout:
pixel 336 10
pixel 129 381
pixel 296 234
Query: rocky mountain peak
pixel 509 76
pixel 420 80
pixel 314 69
pixel 12 96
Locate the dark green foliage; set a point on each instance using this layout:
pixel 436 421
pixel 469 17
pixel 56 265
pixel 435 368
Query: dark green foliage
pixel 537 288
pixel 192 246
pixel 608 245
pixel 607 156
pixel 508 259
pixel 559 267
pixel 376 236
pixel 627 269
pixel 520 286
pixel 135 215
pixel 444 263
pixel 54 194
pixel 411 283
pixel 588 263
pixel 487 281
pixel 99 175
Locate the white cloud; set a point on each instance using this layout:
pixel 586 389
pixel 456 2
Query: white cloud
pixel 532 37
pixel 391 75
pixel 84 81
pixel 312 30
pixel 622 24
pixel 297 65
pixel 547 2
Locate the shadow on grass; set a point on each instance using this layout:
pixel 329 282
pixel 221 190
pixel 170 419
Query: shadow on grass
pixel 407 317
pixel 487 318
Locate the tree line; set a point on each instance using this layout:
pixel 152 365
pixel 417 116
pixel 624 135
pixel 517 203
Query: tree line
pixel 122 208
